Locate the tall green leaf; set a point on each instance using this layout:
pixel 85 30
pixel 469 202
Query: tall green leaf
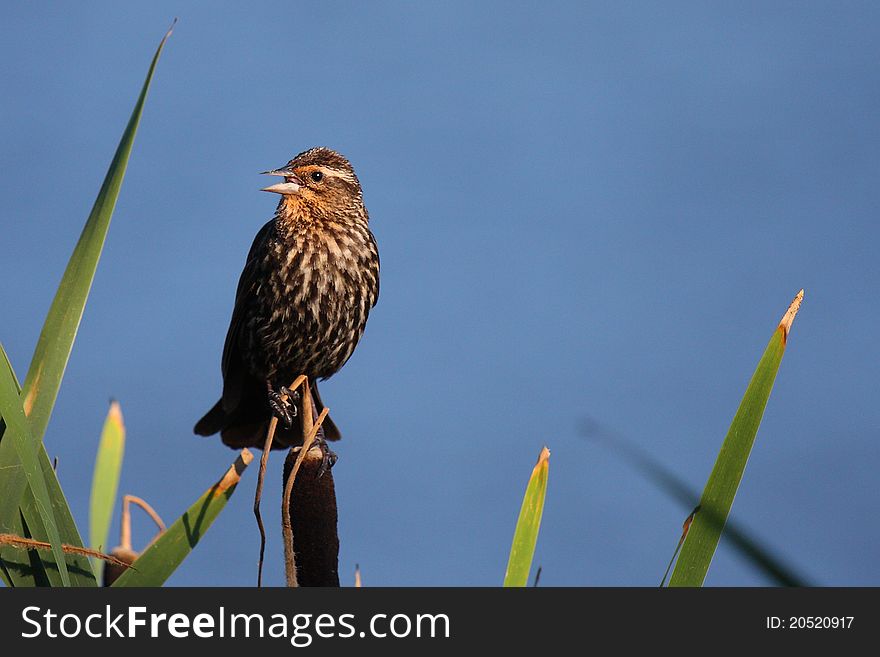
pixel 705 531
pixel 43 569
pixel 14 481
pixel 105 481
pixel 18 431
pixel 12 476
pixel 525 537
pixel 740 539
pixel 59 330
pixel 167 552
pixel 54 345
pixel 28 568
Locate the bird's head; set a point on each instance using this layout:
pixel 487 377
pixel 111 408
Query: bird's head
pixel 317 182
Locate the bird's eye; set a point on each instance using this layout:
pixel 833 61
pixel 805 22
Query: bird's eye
pixel 317 176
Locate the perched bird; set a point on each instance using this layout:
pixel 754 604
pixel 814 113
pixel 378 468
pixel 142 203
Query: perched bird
pixel 309 283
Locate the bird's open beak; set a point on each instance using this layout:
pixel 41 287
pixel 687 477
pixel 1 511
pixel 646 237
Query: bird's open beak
pixel 291 184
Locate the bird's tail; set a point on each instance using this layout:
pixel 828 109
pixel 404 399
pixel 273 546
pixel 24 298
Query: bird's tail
pixel 240 429
pixel 213 421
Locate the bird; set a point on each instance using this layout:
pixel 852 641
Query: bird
pixel 309 283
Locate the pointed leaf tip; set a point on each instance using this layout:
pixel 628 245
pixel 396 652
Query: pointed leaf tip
pixel 233 475
pixel 788 317
pixel 544 456
pixel 115 413
pixel 170 30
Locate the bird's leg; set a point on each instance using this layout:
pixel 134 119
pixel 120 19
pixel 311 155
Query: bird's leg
pixel 328 456
pixel 284 409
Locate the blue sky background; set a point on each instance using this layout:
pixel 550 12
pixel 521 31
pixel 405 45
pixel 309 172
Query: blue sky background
pixel 583 209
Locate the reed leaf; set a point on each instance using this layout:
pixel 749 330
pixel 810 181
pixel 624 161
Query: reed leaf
pixel 525 537
pixel 167 552
pixel 105 480
pixel 52 352
pixel 702 539
pixel 18 432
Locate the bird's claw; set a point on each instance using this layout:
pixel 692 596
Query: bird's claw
pixel 284 409
pixel 292 395
pixel 328 457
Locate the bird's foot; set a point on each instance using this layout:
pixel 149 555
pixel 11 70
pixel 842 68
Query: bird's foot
pixel 284 409
pixel 328 457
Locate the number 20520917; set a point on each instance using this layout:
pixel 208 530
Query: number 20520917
pixel 809 622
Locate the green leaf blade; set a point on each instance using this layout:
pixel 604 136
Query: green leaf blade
pixel 62 322
pixel 166 553
pixel 525 536
pixel 718 495
pixel 752 549
pixel 47 370
pixel 18 431
pixel 17 567
pixel 78 567
pixel 12 475
pixel 105 481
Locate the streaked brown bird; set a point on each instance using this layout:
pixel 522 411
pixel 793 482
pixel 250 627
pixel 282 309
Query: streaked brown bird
pixel 309 283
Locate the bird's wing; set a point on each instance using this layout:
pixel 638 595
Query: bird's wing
pixel 233 368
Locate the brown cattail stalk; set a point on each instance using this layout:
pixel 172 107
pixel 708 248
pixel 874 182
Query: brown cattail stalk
pixel 312 540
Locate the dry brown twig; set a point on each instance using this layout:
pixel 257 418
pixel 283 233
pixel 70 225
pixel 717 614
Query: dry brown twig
pixel 125 531
pixel 301 380
pixel 124 550
pixel 150 511
pixel 30 544
pixel 310 431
